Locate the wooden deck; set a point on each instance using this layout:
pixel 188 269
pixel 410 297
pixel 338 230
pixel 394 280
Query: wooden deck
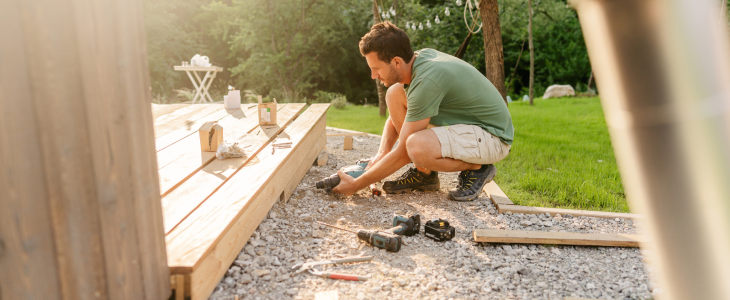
pixel 211 207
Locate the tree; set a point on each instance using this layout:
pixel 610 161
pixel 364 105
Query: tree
pixel 532 52
pixel 379 85
pixel 494 56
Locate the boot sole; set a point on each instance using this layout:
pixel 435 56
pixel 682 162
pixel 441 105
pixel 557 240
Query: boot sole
pixel 426 188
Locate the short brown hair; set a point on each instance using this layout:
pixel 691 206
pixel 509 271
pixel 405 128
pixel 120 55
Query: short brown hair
pixel 388 41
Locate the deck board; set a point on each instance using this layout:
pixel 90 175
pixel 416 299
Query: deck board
pixel 215 232
pixel 183 158
pixel 182 117
pixel 188 195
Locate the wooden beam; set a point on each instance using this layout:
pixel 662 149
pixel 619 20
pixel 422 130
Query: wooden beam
pixel 182 159
pixel 159 110
pixel 78 190
pixel 209 240
pixel 190 127
pixel 346 134
pixel 183 197
pixel 496 194
pixel 518 209
pixel 504 204
pixel 348 143
pixel 555 238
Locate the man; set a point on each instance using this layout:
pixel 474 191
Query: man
pixel 447 116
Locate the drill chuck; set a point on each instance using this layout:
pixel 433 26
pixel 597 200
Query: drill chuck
pixel 328 183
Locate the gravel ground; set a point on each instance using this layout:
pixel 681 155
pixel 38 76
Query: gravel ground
pixel 426 269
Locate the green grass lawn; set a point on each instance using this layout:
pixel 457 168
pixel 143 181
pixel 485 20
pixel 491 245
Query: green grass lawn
pixel 357 117
pixel 561 157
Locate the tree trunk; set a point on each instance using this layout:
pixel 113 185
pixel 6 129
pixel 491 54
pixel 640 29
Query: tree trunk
pixel 379 85
pixel 493 51
pixel 532 51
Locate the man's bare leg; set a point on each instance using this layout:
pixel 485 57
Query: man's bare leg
pixel 424 149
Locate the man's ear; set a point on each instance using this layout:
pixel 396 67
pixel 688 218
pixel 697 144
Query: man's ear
pixel 398 61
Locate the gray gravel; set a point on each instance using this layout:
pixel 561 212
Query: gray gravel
pixel 425 269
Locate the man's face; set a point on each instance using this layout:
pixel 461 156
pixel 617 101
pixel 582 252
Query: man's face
pixel 386 72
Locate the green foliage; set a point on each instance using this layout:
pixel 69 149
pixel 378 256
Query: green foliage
pixel 289 49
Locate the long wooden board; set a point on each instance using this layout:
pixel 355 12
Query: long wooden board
pixel 504 204
pixel 180 118
pixel 159 110
pixel 556 238
pixel 190 128
pixel 182 159
pixel 518 209
pixel 185 196
pixel 210 238
pixel 496 194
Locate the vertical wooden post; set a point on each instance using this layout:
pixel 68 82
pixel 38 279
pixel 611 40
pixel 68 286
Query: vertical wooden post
pixel 81 215
pixel 493 50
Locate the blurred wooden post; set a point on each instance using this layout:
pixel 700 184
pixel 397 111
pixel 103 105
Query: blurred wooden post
pixel 663 70
pixel 80 212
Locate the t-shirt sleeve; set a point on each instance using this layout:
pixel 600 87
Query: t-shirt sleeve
pixel 424 98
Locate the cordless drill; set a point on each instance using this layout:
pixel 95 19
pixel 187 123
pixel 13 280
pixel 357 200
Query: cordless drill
pixel 406 226
pixel 381 239
pixel 355 171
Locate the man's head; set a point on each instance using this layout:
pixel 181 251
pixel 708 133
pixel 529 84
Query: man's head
pixel 387 50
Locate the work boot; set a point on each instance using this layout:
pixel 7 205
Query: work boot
pixel 471 183
pixel 413 180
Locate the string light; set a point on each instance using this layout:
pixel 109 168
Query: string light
pixel 428 23
pixel 392 11
pixel 420 26
pixel 437 19
pixel 458 2
pixel 447 12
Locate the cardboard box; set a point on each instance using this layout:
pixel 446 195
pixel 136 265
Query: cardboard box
pixel 211 135
pixel 267 112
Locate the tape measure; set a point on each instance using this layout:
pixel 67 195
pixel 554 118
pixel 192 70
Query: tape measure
pixel 439 230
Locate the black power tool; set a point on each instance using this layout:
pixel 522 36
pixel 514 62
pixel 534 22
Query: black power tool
pixel 406 226
pixel 381 239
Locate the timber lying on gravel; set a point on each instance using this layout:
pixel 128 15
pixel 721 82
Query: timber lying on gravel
pixel 555 238
pixel 503 204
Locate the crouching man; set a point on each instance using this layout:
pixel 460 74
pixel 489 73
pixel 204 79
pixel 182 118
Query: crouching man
pixel 447 116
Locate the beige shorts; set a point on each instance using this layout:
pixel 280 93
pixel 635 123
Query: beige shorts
pixel 470 143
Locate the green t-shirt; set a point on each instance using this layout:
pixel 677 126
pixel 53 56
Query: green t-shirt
pixel 450 91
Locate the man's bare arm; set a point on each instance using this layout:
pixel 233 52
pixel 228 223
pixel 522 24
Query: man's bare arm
pixel 390 136
pixel 390 163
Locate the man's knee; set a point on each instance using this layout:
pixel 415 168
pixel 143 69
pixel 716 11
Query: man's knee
pixel 418 148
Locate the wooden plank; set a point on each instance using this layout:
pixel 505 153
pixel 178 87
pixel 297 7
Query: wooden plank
pixel 518 209
pixel 182 159
pixel 191 127
pixel 304 168
pixel 179 287
pixel 159 110
pixel 207 272
pixel 25 213
pixel 347 134
pixel 183 117
pixel 503 204
pixel 348 143
pixel 185 196
pixel 131 59
pixel 496 194
pixel 211 237
pixel 556 238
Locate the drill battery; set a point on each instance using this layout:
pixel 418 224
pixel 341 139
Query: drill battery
pixel 439 230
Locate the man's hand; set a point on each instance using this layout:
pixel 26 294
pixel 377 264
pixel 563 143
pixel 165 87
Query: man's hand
pixel 347 184
pixel 375 160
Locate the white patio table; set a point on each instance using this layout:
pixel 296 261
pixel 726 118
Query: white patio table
pixel 201 85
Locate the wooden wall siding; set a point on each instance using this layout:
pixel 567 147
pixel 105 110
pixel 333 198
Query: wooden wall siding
pixel 80 213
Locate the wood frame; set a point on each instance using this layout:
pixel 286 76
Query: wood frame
pixel 556 238
pixel 504 204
